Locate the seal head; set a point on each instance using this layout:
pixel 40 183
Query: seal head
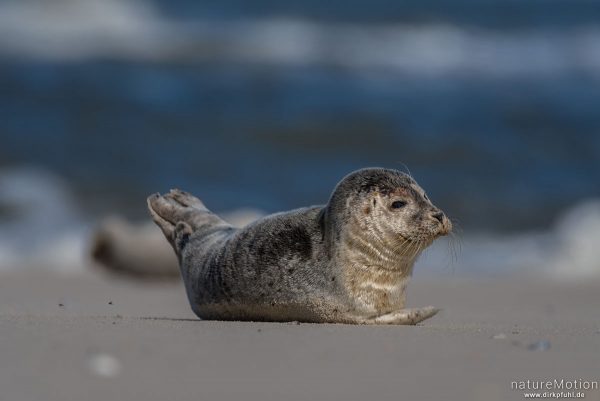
pixel 387 203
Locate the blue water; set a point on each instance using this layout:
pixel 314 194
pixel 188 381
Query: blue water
pixel 497 145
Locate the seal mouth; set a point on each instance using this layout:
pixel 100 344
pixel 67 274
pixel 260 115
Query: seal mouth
pixel 425 237
pixel 441 233
pixel 443 228
pixel 446 228
pixel 422 239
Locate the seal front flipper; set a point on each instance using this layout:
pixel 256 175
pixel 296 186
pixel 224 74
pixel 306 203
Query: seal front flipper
pixel 410 316
pixel 179 214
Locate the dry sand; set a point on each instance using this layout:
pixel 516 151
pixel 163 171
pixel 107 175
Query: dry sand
pixel 93 337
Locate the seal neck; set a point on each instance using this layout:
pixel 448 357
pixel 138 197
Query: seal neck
pixel 351 239
pixel 368 248
pixel 375 273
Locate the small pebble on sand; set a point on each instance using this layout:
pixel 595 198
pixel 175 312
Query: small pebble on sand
pixel 104 365
pixel 542 345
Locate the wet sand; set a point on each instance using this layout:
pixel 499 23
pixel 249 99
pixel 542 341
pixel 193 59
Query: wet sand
pixel 93 337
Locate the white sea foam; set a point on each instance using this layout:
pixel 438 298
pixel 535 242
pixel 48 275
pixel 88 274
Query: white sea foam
pixel 42 225
pixel 578 235
pixel 76 30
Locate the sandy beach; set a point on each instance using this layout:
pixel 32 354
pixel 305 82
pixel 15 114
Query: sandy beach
pixel 258 108
pixel 93 337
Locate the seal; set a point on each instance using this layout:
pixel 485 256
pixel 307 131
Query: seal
pixel 133 250
pixel 345 262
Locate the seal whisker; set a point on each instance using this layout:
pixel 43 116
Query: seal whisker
pixel 407 169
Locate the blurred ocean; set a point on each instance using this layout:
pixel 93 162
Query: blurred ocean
pixel 494 107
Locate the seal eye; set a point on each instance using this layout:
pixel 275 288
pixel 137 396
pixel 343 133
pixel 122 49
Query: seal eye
pixel 398 204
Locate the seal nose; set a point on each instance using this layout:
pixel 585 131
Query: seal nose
pixel 439 216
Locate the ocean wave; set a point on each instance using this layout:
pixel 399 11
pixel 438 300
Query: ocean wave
pixel 71 31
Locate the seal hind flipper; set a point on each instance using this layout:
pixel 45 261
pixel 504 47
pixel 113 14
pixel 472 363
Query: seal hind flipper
pixel 179 214
pixel 167 215
pixel 186 199
pixel 156 209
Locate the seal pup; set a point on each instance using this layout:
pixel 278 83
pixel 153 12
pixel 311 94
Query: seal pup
pixel 346 262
